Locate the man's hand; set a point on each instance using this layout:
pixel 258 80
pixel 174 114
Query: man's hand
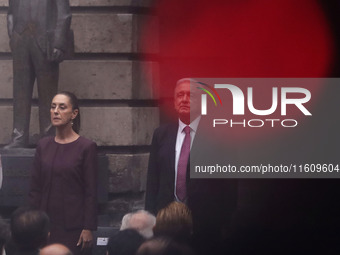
pixel 57 55
pixel 85 239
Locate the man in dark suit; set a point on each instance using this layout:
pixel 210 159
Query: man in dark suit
pixel 38 32
pixel 212 201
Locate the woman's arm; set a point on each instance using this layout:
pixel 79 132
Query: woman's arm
pixel 90 189
pixel 90 200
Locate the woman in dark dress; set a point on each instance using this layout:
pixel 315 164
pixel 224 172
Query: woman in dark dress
pixel 64 178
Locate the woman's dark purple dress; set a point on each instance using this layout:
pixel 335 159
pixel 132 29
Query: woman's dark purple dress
pixel 64 184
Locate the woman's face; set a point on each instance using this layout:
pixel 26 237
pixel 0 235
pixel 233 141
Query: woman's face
pixel 61 111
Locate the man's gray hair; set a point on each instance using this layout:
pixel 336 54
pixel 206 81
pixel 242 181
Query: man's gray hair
pixel 141 220
pixel 184 80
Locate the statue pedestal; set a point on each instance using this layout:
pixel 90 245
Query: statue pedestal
pixel 16 167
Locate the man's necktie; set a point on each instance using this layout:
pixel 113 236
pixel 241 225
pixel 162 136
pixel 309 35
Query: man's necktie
pixel 181 189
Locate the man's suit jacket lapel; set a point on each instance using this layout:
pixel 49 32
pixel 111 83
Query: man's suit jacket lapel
pixel 172 150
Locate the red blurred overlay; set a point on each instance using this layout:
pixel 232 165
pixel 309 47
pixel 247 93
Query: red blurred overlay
pixel 239 39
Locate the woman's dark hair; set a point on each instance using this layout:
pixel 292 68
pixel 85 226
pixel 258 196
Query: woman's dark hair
pixel 29 228
pixel 175 221
pixel 75 106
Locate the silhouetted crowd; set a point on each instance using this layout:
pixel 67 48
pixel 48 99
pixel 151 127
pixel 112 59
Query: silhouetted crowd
pixel 141 233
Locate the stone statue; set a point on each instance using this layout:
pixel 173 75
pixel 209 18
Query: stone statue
pixel 40 38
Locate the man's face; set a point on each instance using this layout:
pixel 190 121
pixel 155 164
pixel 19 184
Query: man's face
pixel 186 99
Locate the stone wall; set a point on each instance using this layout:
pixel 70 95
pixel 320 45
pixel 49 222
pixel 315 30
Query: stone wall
pixel 113 82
